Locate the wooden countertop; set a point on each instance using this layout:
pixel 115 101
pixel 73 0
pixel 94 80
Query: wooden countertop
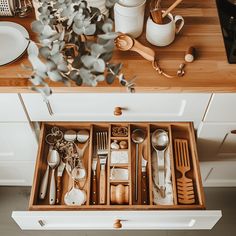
pixel 209 73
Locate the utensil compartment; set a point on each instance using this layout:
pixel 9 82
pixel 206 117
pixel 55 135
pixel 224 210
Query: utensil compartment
pixel 119 191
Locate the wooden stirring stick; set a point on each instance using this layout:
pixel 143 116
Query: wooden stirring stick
pixel 176 3
pixel 155 10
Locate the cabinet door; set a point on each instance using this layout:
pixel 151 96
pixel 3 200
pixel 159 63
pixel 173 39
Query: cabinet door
pixel 218 173
pixel 11 108
pixel 17 142
pixel 18 148
pixel 104 220
pixel 221 108
pixel 16 173
pixel 217 141
pixel 100 107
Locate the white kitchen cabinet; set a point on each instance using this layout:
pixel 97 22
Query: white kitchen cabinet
pixel 16 173
pixel 11 108
pixel 218 173
pixel 104 220
pixel 18 143
pixel 221 108
pixel 100 107
pixel 217 141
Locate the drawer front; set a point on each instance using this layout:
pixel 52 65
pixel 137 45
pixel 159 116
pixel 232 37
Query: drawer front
pixel 16 173
pixel 104 220
pixel 221 108
pixel 101 107
pixel 218 173
pixel 11 108
pixel 217 141
pixel 17 142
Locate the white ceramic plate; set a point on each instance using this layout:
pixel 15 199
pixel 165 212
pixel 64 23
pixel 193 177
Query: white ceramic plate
pixel 13 42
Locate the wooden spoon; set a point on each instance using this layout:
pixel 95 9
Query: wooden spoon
pixel 155 11
pixel 173 6
pixel 124 43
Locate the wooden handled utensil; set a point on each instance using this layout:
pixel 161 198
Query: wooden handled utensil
pixel 171 8
pixel 124 43
pixel 185 190
pixel 155 11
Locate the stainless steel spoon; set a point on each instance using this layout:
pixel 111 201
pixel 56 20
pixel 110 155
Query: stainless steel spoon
pixel 53 162
pixel 160 142
pixel 138 136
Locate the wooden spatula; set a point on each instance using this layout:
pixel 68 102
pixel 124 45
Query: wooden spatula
pixel 185 190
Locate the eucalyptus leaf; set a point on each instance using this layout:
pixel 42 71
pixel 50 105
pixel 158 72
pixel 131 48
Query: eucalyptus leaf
pixel 33 49
pixel 88 61
pixel 45 52
pixel 37 63
pixel 99 65
pixel 90 29
pixel 54 75
pixel 110 78
pixel 37 27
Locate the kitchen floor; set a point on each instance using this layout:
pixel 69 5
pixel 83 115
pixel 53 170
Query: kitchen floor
pixel 16 198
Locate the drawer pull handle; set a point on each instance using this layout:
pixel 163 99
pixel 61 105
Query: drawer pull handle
pixel 117 111
pixel 49 108
pixel 117 224
pixel 233 132
pixel 42 224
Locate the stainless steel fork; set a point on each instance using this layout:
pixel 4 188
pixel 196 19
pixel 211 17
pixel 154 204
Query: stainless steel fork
pixel 102 152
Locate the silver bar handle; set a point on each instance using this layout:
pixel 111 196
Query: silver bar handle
pixel 50 111
pixel 42 224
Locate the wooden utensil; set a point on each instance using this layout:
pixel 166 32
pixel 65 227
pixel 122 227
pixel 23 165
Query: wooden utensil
pixel 144 194
pixel 155 11
pixel 173 6
pixel 185 188
pixel 102 152
pixel 124 43
pixel 60 171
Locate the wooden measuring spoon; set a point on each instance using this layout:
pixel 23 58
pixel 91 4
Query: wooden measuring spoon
pixel 124 43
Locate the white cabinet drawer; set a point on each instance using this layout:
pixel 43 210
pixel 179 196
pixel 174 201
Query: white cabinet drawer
pixel 17 142
pixel 16 173
pixel 222 108
pixel 217 141
pixel 134 215
pixel 100 107
pixel 218 173
pixel 11 108
pixel 104 220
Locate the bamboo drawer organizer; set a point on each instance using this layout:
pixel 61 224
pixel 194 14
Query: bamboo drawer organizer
pixel 175 131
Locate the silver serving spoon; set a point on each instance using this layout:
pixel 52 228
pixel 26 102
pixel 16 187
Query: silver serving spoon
pixel 138 136
pixel 53 162
pixel 160 142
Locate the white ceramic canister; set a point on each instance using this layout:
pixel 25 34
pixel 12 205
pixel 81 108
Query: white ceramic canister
pixel 163 34
pixel 129 19
pixel 100 4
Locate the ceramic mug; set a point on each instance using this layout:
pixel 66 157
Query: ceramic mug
pixel 129 19
pixel 163 34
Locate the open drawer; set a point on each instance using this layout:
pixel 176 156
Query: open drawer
pixel 117 183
